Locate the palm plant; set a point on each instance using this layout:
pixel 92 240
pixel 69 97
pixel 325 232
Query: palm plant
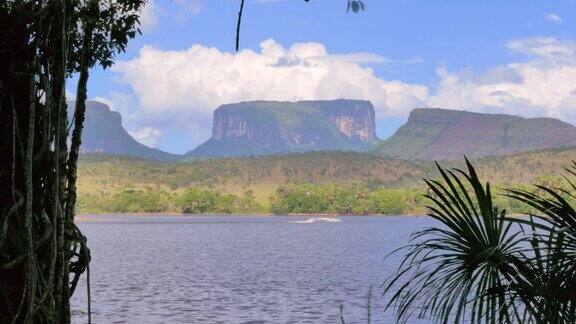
pixel 480 265
pixel 552 290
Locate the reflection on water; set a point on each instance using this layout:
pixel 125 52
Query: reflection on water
pixel 238 269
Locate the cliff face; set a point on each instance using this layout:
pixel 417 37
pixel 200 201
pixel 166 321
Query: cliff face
pixel 267 127
pixel 440 134
pixel 103 133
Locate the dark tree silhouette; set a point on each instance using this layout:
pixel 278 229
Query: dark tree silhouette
pixel 42 43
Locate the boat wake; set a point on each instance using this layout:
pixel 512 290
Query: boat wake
pixel 319 220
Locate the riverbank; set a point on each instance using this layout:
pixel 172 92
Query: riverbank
pixel 98 216
pixel 287 199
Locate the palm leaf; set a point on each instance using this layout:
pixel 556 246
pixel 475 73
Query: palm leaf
pixel 460 270
pixel 553 258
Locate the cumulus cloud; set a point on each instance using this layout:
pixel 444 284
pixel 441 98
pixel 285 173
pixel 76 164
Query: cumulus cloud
pixel 554 18
pixel 178 10
pixel 149 16
pixel 186 86
pixel 125 104
pixel 182 88
pixel 147 135
pixel 546 48
pixel 542 86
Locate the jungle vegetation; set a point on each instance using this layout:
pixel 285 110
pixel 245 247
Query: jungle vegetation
pixel 315 182
pixel 346 200
pixel 159 200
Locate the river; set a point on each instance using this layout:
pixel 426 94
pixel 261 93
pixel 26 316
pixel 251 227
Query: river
pixel 238 269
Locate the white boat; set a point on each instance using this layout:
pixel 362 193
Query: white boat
pixel 320 220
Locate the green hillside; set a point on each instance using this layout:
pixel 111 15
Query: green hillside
pixel 439 134
pixel 111 173
pixel 317 181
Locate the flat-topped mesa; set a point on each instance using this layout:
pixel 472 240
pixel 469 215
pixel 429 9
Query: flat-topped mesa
pixel 442 134
pixel 353 118
pixel 268 127
pixel 103 133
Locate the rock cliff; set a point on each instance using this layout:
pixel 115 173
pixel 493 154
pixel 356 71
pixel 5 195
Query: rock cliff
pixel 269 127
pixel 103 133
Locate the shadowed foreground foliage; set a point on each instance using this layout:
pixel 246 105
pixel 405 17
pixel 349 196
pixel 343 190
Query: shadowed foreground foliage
pixel 42 44
pixel 481 266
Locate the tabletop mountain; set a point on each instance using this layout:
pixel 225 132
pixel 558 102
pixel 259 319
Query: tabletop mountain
pixel 269 127
pixel 103 133
pixel 442 134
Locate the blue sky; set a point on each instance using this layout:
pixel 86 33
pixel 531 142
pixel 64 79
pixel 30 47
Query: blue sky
pixel 511 56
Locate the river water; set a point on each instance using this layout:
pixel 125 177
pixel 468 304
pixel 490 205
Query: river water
pixel 238 269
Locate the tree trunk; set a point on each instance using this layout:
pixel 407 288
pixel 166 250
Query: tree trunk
pixel 36 217
pixel 41 44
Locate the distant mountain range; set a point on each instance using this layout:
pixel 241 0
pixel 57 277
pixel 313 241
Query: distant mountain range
pixel 441 134
pixel 269 127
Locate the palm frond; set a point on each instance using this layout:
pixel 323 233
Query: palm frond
pixel 553 257
pixel 459 271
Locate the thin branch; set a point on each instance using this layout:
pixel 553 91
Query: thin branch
pixel 238 25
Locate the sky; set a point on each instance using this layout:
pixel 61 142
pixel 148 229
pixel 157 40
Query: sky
pixel 498 56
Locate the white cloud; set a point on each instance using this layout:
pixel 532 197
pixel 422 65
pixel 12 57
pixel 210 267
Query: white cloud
pixel 149 16
pixel 182 88
pixel 187 8
pixel 546 48
pixel 147 135
pixel 124 104
pixel 132 120
pixel 178 10
pixel 371 58
pixel 361 57
pixel 554 18
pixel 542 86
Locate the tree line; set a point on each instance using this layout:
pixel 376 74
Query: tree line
pixel 288 198
pixel 154 199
